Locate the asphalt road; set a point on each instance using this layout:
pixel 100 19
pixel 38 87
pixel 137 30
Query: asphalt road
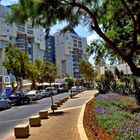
pixel 19 114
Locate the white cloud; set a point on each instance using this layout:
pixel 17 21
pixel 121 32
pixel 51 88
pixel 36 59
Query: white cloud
pixel 91 37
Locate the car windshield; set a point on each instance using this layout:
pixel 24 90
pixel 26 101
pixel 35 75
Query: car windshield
pixel 17 94
pixel 32 92
pixel 41 90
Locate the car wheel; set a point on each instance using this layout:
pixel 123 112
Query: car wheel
pixel 28 101
pixel 9 105
pixel 21 102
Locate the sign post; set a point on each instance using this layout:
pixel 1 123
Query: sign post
pixel 4 80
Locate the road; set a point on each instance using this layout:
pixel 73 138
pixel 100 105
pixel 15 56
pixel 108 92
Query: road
pixel 19 114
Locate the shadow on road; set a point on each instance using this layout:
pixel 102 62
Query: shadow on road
pixel 31 103
pixel 3 109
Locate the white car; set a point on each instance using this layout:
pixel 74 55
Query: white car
pixel 52 89
pixel 34 95
pixel 44 92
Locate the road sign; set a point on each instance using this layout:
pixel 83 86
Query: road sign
pixel 6 79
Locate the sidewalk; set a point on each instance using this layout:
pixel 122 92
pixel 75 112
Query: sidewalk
pixel 62 125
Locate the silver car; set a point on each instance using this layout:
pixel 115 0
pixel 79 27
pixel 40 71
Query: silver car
pixel 34 95
pixel 4 102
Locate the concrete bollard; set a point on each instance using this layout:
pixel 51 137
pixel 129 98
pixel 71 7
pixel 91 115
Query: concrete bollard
pixel 57 103
pixel 21 131
pixel 54 107
pixel 35 121
pixel 43 114
pixel 61 102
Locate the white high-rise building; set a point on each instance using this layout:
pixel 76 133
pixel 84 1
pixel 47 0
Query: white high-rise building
pixel 27 38
pixel 69 50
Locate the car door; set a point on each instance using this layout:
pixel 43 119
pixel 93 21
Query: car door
pixel 2 102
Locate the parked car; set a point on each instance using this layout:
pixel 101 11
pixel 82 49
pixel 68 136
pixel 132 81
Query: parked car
pixel 19 98
pixel 60 90
pixel 74 89
pixel 44 93
pixel 81 88
pixel 34 95
pixel 4 102
pixel 51 89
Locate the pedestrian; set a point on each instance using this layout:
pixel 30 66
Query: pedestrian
pixel 3 93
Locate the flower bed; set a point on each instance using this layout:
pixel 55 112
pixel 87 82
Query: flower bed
pixel 92 128
pixel 117 115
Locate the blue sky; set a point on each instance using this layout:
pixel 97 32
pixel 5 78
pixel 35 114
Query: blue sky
pixel 82 31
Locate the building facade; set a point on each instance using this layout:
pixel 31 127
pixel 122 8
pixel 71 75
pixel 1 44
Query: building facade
pixel 27 38
pixel 121 67
pixel 69 50
pixel 49 54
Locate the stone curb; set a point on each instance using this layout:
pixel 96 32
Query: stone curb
pixel 81 129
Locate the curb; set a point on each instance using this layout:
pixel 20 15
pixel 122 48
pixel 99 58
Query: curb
pixel 82 133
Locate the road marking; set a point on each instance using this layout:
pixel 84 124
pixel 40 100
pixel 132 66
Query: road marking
pixel 13 120
pixel 82 98
pixel 70 108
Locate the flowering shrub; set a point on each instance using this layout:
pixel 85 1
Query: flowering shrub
pixel 113 113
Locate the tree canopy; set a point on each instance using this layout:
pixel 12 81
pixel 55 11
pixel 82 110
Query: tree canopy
pixel 87 71
pixel 117 22
pixel 16 62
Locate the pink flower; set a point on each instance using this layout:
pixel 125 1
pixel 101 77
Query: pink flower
pixel 114 130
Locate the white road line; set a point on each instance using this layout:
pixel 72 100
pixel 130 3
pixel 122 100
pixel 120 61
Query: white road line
pixel 82 98
pixel 7 121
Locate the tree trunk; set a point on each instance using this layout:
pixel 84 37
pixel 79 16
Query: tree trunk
pixel 95 27
pixel 21 85
pixel 14 88
pixel 133 67
pixel 33 84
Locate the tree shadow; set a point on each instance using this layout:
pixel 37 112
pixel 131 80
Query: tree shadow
pixel 57 113
pixel 74 97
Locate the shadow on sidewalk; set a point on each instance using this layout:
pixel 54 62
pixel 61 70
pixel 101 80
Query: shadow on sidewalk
pixel 57 113
pixel 74 97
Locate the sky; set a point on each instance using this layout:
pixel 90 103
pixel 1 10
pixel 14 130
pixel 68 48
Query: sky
pixel 82 31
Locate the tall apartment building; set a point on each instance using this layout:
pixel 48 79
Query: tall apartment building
pixel 49 54
pixel 28 39
pixel 69 50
